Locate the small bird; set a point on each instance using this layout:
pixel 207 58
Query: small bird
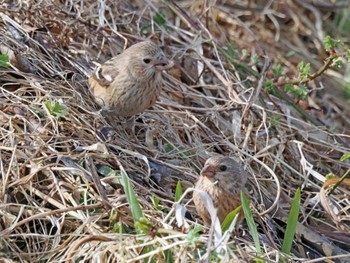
pixel 130 82
pixel 223 179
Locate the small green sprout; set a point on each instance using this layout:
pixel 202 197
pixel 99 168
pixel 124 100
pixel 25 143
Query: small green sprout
pixel 56 108
pixel 277 70
pixel 331 43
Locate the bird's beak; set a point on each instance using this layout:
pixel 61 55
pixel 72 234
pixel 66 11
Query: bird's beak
pixel 163 63
pixel 208 171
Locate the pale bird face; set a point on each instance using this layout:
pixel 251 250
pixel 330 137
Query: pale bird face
pixel 225 172
pixel 147 60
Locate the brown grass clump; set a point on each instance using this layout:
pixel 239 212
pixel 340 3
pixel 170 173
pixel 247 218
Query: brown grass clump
pixel 61 194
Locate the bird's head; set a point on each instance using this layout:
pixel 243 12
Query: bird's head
pixel 147 60
pixel 225 172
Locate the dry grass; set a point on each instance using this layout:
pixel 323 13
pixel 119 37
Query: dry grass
pixel 61 197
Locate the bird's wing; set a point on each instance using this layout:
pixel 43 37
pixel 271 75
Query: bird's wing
pixel 106 74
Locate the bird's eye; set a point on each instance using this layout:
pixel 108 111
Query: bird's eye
pixel 147 60
pixel 223 168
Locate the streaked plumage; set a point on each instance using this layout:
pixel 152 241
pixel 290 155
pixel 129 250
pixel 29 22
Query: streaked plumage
pixel 223 179
pixel 130 82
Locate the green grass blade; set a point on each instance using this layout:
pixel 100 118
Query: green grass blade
pixel 168 256
pixel 131 197
pixel 178 191
pixel 4 60
pixel 145 250
pixel 347 173
pixel 345 156
pixel 229 218
pixel 250 222
pixel 292 223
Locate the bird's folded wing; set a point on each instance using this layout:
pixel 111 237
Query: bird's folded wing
pixel 105 75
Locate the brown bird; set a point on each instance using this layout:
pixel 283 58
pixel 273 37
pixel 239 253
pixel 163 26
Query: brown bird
pixel 223 179
pixel 130 82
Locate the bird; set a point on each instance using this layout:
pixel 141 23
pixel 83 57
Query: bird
pixel 223 179
pixel 130 82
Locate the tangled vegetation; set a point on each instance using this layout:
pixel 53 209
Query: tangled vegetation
pixel 265 83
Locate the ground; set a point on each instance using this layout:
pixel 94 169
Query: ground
pixel 238 88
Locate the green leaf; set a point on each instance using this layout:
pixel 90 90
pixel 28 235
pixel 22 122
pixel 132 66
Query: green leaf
pixel 231 51
pixel 347 55
pixel 347 91
pixel 254 59
pixel 144 28
pixel 345 156
pixel 178 191
pixel 168 147
pixel 289 87
pixel 145 250
pixel 144 226
pixel 304 70
pixel 193 236
pixel 292 223
pixel 269 85
pixel 168 255
pixel 155 201
pixel 119 227
pixel 330 43
pixel 229 218
pixel 329 176
pixel 277 70
pixel 4 60
pixel 275 120
pixel 338 62
pixel 291 53
pixel 250 222
pixel 299 92
pixel 131 197
pixel 56 109
pixel 159 19
pixel 105 170
pixel 300 65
